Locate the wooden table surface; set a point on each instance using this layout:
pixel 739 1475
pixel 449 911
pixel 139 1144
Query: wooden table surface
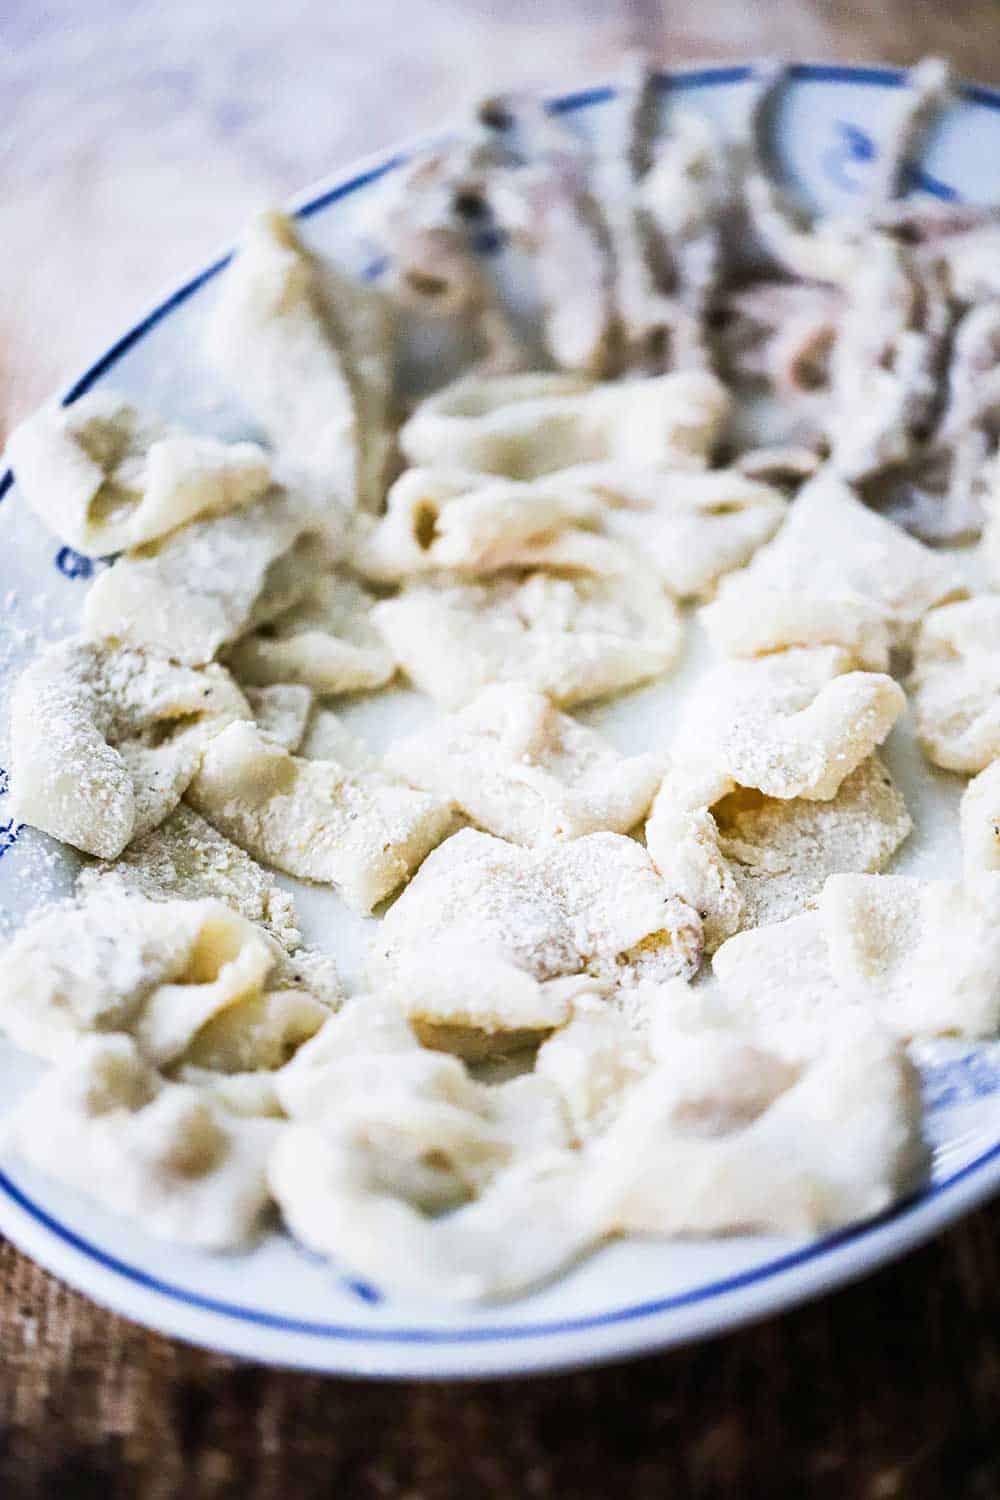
pixel 135 139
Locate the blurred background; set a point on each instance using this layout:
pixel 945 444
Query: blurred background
pixel 138 136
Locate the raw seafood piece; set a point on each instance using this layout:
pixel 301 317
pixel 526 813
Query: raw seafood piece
pixel 422 220
pixel 282 710
pixel 189 594
pixel 325 641
pixel 496 940
pixel 955 684
pixel 747 859
pixel 105 740
pixel 759 742
pixel 923 954
pixel 723 1137
pixel 473 523
pixel 161 1153
pixel 920 957
pixel 360 831
pixel 593 1061
pixel 311 352
pixel 440 1135
pixel 519 768
pixel 524 426
pixel 836 574
pixel 573 638
pixel 189 980
pixel 186 858
pixel 541 197
pixel 690 528
pixel 104 477
pixel 335 1202
pixel 884 364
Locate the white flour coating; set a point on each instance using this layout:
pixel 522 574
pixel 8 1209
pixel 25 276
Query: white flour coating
pixel 474 524
pixel 755 738
pixel 187 858
pixel 164 1154
pixel 541 539
pixel 104 740
pixel 496 939
pixel 920 957
pixel 362 832
pixel 104 477
pixel 442 1135
pixel 325 641
pixel 519 768
pixel 191 593
pixel 723 1137
pixel 524 426
pixel 310 351
pixel 573 638
pixel 836 574
pixel 955 684
pixel 691 528
pixel 282 710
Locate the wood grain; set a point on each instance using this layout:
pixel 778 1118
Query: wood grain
pixel 136 138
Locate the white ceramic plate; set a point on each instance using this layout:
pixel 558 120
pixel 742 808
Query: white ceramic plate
pixel 276 1303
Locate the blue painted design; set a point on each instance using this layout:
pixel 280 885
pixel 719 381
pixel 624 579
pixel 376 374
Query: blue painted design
pixel 960 1080
pixel 916 179
pixel 4 781
pixel 9 834
pixel 856 145
pixel 73 564
pixel 363 1289
pixel 853 145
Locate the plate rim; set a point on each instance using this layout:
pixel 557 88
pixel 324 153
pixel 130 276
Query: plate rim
pixel 474 1352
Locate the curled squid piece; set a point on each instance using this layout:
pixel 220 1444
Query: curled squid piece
pixel 403 1167
pixel 522 770
pixel 468 523
pixel 835 574
pixel 105 477
pixel 772 786
pixel 491 942
pixel 724 1136
pixel 886 362
pixel 105 740
pixel 361 831
pixel 187 595
pixel 526 426
pixel 423 220
pixel 540 193
pixel 186 859
pixel 311 352
pixel 691 528
pixel 325 641
pixel 574 638
pixel 917 957
pixel 335 1201
pixel 163 1154
pixel 186 980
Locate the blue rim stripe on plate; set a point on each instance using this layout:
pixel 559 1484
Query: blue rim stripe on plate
pixel 564 104
pixel 815 1250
